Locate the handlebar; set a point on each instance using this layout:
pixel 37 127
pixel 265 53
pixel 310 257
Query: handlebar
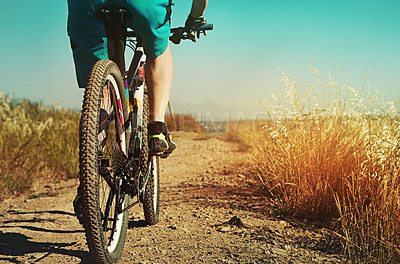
pixel 177 34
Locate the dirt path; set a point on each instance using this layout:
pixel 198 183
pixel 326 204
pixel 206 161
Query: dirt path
pixel 201 191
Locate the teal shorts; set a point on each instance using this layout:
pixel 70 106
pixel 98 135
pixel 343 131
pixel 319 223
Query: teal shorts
pixel 150 19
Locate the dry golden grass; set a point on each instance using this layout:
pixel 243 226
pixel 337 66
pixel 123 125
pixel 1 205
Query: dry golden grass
pixel 337 163
pixel 36 142
pixel 183 122
pixel 246 134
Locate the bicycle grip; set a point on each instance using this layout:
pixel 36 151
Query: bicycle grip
pixel 205 27
pixel 176 36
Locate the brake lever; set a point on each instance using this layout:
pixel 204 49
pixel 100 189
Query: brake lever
pixel 177 36
pixel 180 33
pixel 191 36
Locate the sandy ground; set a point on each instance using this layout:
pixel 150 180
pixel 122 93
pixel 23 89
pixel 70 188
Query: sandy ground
pixel 202 193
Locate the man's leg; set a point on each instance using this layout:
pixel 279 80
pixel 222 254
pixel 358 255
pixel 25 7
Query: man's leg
pixel 159 75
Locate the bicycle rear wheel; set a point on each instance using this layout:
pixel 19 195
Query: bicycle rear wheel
pixel 103 150
pixel 152 193
pixel 149 165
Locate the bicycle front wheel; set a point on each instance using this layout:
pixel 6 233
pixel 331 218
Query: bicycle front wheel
pixel 103 152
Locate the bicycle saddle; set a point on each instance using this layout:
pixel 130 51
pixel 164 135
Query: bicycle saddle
pixel 113 15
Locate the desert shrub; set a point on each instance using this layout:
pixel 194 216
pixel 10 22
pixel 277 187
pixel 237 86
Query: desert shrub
pixel 183 122
pixel 36 142
pixel 336 162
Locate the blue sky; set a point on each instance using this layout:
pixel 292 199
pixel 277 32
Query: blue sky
pixel 235 65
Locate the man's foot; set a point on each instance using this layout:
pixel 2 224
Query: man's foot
pixel 78 207
pixel 160 141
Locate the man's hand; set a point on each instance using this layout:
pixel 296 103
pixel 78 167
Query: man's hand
pixel 193 23
pixel 196 19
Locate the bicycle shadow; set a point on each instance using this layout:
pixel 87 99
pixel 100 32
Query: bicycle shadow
pixel 37 220
pixel 14 244
pixel 41 212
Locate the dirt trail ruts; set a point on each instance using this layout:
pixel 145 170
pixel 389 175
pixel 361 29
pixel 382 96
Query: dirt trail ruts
pixel 209 214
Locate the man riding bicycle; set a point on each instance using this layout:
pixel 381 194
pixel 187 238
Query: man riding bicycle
pixel 151 20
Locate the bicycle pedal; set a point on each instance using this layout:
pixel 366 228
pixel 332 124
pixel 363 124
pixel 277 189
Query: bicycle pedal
pixel 165 155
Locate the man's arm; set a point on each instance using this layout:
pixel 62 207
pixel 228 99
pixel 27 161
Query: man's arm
pixel 195 18
pixel 198 8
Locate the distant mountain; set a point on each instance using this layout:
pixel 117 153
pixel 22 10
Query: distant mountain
pixel 215 111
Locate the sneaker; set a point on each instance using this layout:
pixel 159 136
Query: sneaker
pixel 78 207
pixel 160 141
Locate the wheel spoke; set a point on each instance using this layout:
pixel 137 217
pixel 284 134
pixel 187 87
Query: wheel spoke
pixel 107 210
pixel 107 121
pixel 106 174
pixel 102 160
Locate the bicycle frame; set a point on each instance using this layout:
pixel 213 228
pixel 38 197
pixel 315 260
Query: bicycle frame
pixel 118 38
pixel 134 89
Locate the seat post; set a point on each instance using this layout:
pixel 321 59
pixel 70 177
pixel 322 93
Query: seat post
pixel 114 21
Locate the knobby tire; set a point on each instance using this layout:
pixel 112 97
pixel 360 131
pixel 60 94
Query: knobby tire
pixel 102 156
pixel 151 197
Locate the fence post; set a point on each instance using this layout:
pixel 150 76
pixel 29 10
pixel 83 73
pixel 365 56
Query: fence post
pixel 172 115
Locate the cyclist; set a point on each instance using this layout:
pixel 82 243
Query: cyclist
pixel 151 20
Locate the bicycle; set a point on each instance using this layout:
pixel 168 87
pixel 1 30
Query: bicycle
pixel 115 165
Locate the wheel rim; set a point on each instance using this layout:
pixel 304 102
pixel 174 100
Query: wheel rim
pixel 112 152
